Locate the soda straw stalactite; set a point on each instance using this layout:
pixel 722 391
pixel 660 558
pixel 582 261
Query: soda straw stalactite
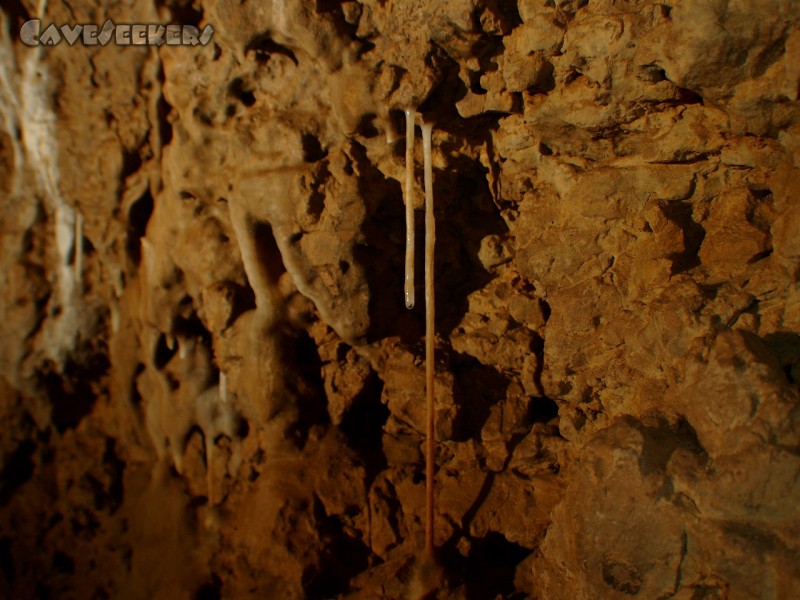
pixel 409 198
pixel 430 311
pixel 429 578
pixel 430 362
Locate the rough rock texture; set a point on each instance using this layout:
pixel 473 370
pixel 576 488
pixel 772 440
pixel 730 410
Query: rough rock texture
pixel 210 385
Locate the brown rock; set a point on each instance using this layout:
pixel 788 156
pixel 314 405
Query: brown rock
pixel 733 238
pixel 738 396
pixel 209 383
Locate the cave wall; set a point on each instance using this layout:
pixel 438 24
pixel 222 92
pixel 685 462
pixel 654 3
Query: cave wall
pixel 211 386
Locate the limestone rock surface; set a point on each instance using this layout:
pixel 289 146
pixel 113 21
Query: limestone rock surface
pixel 211 387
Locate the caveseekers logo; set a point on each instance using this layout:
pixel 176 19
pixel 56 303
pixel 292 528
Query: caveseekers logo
pixel 124 34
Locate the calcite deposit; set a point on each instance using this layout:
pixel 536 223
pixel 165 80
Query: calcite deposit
pixel 210 384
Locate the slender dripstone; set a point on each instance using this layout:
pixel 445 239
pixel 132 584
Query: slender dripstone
pixel 430 310
pixel 430 362
pixel 409 198
pixel 428 575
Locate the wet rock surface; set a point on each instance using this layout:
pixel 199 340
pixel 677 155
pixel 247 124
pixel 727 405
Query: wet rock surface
pixel 210 384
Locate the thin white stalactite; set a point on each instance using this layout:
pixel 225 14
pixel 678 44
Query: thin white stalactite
pixel 409 199
pixel 223 387
pixel 115 317
pixel 9 105
pixel 37 123
pixel 430 312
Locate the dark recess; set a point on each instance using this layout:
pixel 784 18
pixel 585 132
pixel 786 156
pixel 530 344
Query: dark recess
pixel 312 149
pixel 680 213
pixel 18 469
pixel 138 217
pixel 332 11
pixel 688 96
pixel 785 347
pixel 478 388
pixel 491 565
pixel 131 162
pixel 546 310
pixel 6 559
pixel 465 214
pixel 238 90
pixel 342 558
pixel 263 47
pixel 542 410
pixel 304 380
pixel 163 352
pixel 183 12
pixel 302 365
pixel 114 468
pixel 244 300
pixel 363 425
pixel 63 563
pixel 316 199
pixel 163 109
pixel 17 12
pixel 366 127
pixel 269 255
pixel 188 325
pixel 211 590
pixel 42 591
pixel 440 105
pixel 71 392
